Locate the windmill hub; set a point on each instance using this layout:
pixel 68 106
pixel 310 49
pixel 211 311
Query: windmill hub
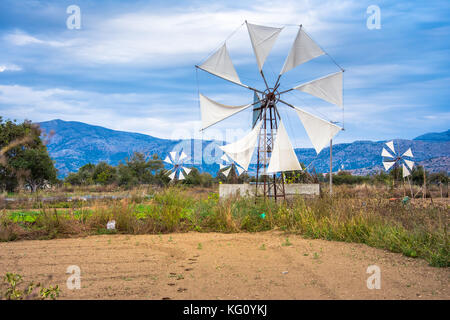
pixel 271 95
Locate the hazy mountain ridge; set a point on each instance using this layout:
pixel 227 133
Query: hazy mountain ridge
pixel 435 136
pixel 74 144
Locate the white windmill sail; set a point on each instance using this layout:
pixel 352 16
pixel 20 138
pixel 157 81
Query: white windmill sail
pixel 213 112
pixel 263 38
pixel 172 155
pixel 408 153
pixel 222 166
pixel 181 175
pixel 390 144
pixel 172 175
pixel 405 171
pixel 283 157
pixel 303 49
pixel 319 131
pixel 220 64
pixel 167 160
pixel 385 153
pixel 388 164
pixel 328 88
pixel 226 172
pixel 409 163
pixel 182 156
pixel 224 158
pixel 187 170
pixel 239 170
pixel 241 151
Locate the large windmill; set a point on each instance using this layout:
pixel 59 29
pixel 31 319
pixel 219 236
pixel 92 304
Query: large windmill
pixel 275 153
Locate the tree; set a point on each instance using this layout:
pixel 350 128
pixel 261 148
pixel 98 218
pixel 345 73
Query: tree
pixel 84 176
pixel 24 159
pixel 104 174
pixel 139 168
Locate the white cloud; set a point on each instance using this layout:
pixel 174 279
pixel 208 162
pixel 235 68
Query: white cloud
pixel 9 67
pixel 20 38
pixel 182 35
pixel 127 112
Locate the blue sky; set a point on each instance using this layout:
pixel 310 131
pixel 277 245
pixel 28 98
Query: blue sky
pixel 131 65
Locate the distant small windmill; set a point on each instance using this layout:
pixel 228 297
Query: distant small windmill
pixel 177 162
pixel 392 159
pixel 230 165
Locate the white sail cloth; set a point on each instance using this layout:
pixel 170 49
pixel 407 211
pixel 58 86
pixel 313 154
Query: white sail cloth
pixel 328 88
pixel 220 64
pixel 263 38
pixel 213 112
pixel 409 163
pixel 385 153
pixel 226 172
pixel 303 49
pixel 405 171
pixel 283 157
pixel 241 151
pixel 388 164
pixel 408 153
pixel 390 144
pixel 319 131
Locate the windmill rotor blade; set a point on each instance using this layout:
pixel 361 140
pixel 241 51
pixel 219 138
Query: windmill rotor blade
pixel 182 156
pixel 262 38
pixel 409 163
pixel 173 155
pixel 221 166
pixel 408 153
pixel 386 154
pixel 241 151
pixel 328 88
pixel 224 158
pixel 167 160
pixel 226 172
pixel 388 164
pixel 303 49
pixel 319 131
pixel 220 64
pixel 186 170
pixel 172 175
pixel 239 170
pixel 283 157
pixel 181 175
pixel 213 112
pixel 390 144
pixel 406 171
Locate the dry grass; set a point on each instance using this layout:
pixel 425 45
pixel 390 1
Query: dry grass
pixel 361 214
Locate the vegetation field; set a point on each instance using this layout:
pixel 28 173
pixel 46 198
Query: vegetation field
pixel 416 228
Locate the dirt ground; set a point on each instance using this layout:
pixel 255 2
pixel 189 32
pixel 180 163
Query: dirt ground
pixel 221 266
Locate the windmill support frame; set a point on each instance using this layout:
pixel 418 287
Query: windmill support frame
pixel 272 186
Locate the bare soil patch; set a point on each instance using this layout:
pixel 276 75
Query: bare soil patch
pixel 221 266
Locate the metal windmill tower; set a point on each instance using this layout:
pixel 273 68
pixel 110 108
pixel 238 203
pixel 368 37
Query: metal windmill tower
pixel 275 153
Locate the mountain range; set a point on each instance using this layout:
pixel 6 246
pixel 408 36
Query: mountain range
pixel 72 144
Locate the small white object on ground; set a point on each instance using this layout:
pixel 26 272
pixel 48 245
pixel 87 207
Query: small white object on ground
pixel 111 225
pixel 284 272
